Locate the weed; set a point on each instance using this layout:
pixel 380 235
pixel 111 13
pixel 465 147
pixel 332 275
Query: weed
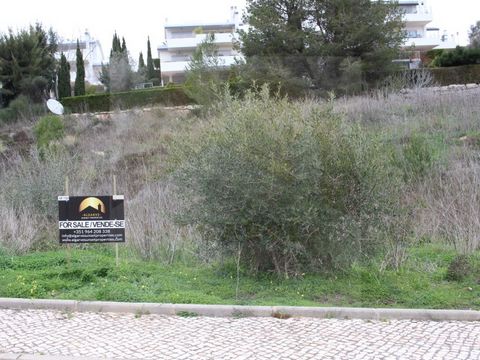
pixel 281 316
pixel 238 314
pixel 459 268
pixel 67 315
pixel 140 313
pixel 186 314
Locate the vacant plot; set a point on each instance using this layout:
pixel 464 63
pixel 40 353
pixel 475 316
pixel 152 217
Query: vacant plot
pixel 421 250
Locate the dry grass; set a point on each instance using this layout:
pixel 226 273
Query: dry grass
pixel 450 203
pixel 444 205
pixel 152 229
pixel 135 146
pixel 18 228
pixel 422 110
pixel 132 146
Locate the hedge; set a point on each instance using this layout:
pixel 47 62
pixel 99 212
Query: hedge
pixel 466 74
pixel 173 96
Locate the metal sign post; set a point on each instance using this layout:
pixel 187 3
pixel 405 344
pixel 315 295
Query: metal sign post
pixel 116 244
pixel 69 250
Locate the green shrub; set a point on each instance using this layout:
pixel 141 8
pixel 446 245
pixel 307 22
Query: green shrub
pixel 457 57
pixel 286 185
pixel 21 108
pixel 466 74
pixel 459 268
pixel 441 76
pixel 91 89
pixel 420 153
pixel 48 129
pixel 127 100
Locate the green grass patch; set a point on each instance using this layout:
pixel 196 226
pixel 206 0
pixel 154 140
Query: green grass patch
pixel 92 275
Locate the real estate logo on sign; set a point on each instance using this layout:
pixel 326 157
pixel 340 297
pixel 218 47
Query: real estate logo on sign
pixel 91 219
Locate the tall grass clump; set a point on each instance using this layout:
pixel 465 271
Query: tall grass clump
pixel 28 201
pixel 152 231
pixel 286 186
pixel 450 198
pixel 18 228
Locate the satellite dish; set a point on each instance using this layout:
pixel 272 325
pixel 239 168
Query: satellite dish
pixel 55 107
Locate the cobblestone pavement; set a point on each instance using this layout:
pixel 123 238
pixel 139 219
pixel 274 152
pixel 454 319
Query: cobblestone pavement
pixel 126 336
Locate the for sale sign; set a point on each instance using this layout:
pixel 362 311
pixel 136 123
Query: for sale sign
pixel 91 219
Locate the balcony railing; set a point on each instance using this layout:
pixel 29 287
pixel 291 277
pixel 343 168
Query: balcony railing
pixel 193 41
pixel 181 66
pixel 418 13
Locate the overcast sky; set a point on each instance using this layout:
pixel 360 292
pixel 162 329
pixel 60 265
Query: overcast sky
pixel 135 20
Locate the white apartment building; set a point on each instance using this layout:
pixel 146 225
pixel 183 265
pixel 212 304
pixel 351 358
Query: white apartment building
pixel 421 38
pixel 181 40
pixel 92 56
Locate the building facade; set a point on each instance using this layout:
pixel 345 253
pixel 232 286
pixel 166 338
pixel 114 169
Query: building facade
pixel 92 56
pixel 181 40
pixel 421 38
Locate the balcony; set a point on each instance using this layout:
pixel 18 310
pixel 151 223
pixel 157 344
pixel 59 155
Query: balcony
pixel 420 19
pixel 169 67
pixel 192 42
pixel 422 43
pixel 419 15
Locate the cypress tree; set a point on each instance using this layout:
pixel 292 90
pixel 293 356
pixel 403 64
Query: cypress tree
pixel 141 62
pixel 150 68
pixel 116 47
pixel 124 46
pixel 64 87
pixel 79 88
pixel 118 75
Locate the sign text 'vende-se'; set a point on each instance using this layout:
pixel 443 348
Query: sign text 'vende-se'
pixel 91 219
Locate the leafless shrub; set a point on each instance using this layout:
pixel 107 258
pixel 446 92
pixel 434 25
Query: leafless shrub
pixel 451 204
pixel 411 80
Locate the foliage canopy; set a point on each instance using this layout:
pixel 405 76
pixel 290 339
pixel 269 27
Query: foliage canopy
pixel 27 63
pixel 314 38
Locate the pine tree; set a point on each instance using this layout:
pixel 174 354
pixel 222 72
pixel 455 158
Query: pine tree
pixel 150 68
pixel 79 88
pixel 27 64
pixel 314 39
pixel 64 87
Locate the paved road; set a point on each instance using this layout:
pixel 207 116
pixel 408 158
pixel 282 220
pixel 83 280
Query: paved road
pixel 119 336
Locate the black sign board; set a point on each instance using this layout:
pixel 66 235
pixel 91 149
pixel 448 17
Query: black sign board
pixel 91 219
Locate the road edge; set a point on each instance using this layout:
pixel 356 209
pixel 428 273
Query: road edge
pixel 238 311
